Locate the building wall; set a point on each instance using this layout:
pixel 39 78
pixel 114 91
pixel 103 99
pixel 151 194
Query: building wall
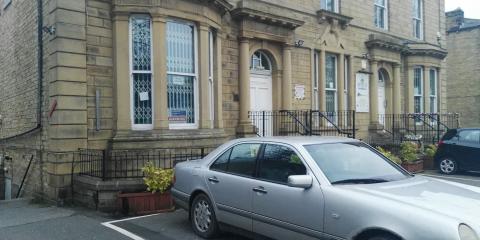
pixel 89 53
pixel 463 74
pixel 19 81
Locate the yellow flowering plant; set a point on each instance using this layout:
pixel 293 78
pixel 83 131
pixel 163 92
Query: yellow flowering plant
pixel 157 179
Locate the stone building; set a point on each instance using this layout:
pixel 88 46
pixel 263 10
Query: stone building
pixel 144 74
pixel 463 38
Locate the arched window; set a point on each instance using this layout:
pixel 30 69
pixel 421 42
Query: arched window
pixel 260 62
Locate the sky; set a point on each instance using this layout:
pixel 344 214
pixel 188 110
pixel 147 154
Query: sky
pixel 470 7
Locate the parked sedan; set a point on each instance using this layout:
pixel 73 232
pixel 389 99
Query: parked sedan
pixel 459 150
pixel 320 188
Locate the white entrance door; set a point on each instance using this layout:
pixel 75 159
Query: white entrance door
pixel 382 104
pixel 261 100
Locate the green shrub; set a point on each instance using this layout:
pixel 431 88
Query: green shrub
pixel 430 151
pixel 389 155
pixel 157 179
pixel 409 152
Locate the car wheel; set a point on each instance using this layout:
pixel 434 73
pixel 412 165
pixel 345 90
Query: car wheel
pixel 448 166
pixel 203 220
pixel 383 237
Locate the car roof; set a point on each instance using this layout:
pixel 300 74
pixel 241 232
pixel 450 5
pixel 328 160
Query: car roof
pixel 299 140
pixel 460 129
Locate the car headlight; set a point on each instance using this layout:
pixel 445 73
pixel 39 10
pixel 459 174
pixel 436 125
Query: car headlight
pixel 467 233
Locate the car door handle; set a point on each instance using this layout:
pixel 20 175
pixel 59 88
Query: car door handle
pixel 213 180
pixel 260 190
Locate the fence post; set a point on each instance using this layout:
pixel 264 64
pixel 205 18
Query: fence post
pixel 393 128
pixel 104 164
pixel 203 152
pixel 438 128
pixel 310 127
pixel 263 124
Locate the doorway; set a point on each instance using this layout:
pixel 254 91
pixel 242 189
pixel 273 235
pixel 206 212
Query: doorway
pixel 261 93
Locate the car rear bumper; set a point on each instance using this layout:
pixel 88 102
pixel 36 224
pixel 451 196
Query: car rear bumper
pixel 181 199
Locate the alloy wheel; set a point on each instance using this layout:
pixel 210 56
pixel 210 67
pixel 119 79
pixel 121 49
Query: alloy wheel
pixel 447 166
pixel 202 216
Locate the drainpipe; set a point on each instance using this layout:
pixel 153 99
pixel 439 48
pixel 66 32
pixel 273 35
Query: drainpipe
pixel 40 74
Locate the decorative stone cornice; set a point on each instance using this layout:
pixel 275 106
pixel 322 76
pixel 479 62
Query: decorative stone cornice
pixel 329 16
pixel 405 47
pixel 435 53
pixel 267 18
pixel 222 5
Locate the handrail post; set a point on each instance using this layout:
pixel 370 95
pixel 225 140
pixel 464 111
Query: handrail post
pixel 311 122
pixel 438 127
pixel 393 127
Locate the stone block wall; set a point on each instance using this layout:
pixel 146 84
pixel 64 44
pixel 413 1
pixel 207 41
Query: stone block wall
pixel 463 76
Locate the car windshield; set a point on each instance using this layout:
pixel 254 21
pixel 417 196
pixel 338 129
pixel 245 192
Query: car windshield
pixel 353 163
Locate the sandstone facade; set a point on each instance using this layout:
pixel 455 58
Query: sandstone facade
pixel 88 99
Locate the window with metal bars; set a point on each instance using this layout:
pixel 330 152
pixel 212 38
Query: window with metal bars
pixel 433 90
pixel 418 89
pixel 141 71
pixel 182 74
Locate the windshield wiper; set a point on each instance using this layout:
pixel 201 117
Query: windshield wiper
pixel 361 181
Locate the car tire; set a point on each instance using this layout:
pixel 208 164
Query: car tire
pixel 384 237
pixel 448 166
pixel 203 218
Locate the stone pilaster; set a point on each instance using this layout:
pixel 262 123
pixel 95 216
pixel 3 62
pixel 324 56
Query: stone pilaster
pixel 322 82
pixel 287 78
pixel 409 101
pixel 245 127
pixel 218 82
pixel 396 89
pixel 160 72
pixel 341 82
pixel 374 93
pixel 426 89
pixel 121 72
pixel 205 121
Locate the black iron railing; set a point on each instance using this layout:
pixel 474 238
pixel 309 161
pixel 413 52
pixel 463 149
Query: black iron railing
pixel 303 123
pixel 128 163
pixel 425 127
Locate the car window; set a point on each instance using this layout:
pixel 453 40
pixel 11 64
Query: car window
pixel 450 134
pixel 222 162
pixel 344 161
pixel 280 162
pixel 243 158
pixel 471 136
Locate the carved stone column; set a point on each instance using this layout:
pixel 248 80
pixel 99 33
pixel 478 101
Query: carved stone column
pixel 245 127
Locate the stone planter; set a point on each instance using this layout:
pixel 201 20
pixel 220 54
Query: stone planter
pixel 145 203
pixel 414 167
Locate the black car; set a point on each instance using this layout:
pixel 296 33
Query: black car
pixel 459 150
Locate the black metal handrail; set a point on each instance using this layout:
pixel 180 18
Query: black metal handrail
pixel 128 163
pixel 303 122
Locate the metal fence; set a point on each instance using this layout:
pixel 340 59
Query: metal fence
pixel 128 163
pixel 303 123
pixel 427 128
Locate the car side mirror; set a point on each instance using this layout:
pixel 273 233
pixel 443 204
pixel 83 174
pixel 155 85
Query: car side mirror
pixel 300 181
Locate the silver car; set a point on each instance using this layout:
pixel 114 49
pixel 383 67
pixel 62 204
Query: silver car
pixel 320 188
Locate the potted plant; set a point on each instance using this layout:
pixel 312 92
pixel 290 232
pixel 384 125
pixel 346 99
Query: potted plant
pixel 409 153
pixel 156 199
pixel 429 153
pixel 389 155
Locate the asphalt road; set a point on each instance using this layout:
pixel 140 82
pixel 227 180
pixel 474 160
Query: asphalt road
pixel 22 220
